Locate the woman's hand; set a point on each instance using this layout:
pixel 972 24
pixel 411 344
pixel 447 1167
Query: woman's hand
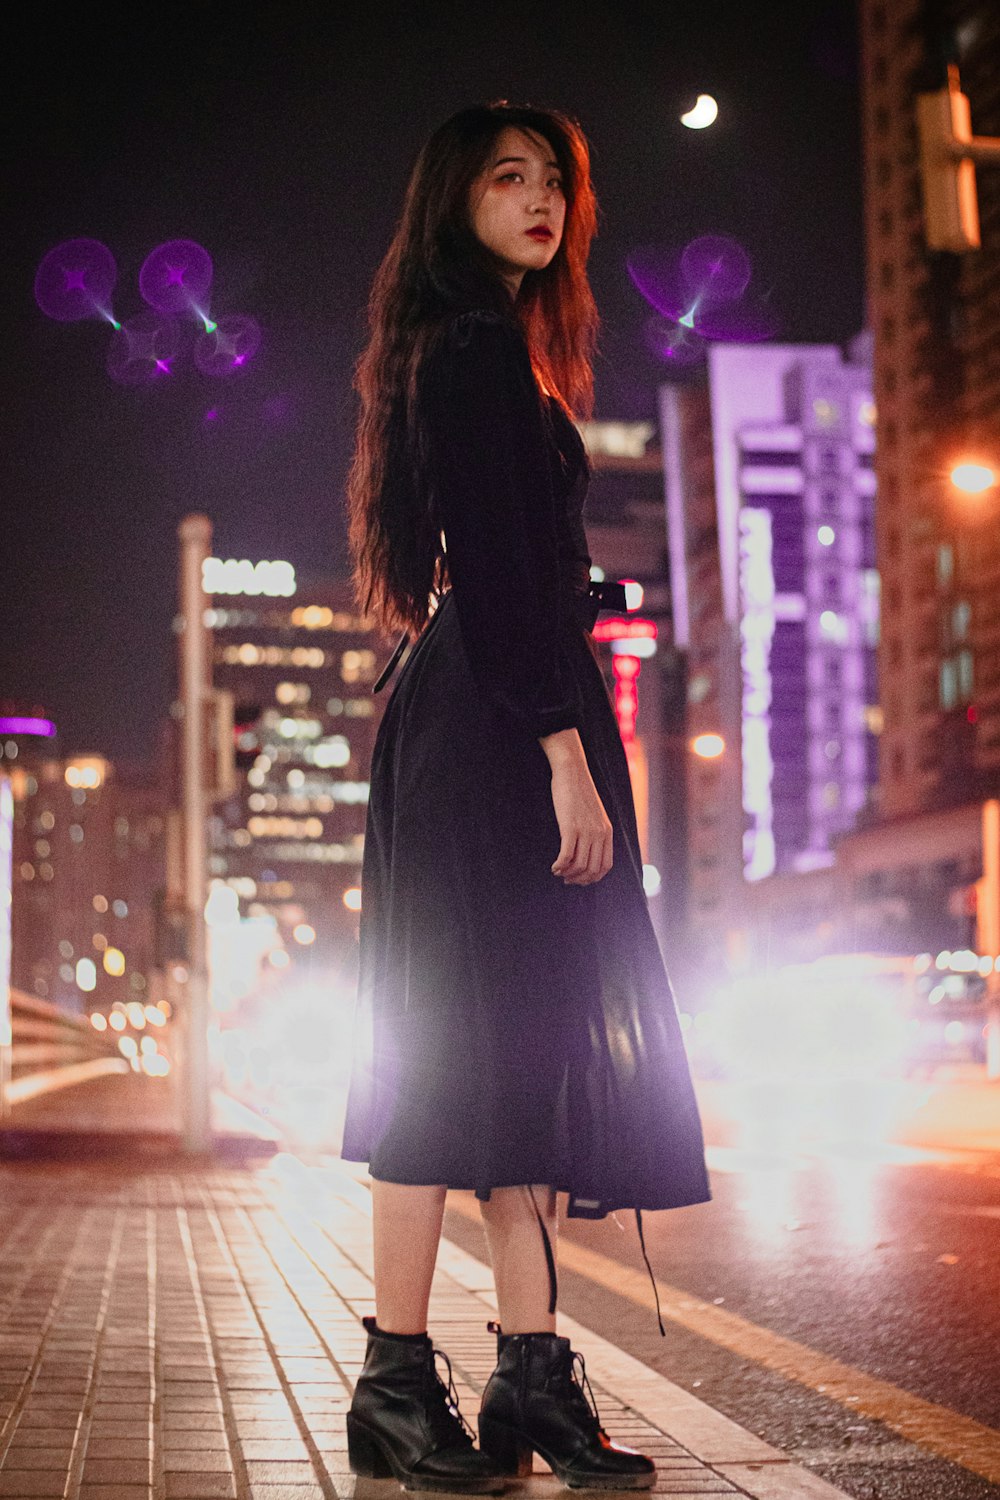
pixel 585 851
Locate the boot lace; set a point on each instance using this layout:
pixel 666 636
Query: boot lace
pixel 573 1371
pixel 441 1406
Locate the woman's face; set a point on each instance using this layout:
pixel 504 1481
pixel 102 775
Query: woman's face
pixel 516 205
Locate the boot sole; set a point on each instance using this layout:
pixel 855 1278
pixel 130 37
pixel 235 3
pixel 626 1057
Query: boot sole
pixel 368 1459
pixel 511 1451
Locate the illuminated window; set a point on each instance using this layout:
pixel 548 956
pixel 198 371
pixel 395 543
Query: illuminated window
pixel 357 666
pixel 964 667
pixel 960 618
pixel 945 564
pixel 948 685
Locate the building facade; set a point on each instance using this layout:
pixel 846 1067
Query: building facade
pixel 88 874
pixel 290 839
pixel 936 323
pixel 770 504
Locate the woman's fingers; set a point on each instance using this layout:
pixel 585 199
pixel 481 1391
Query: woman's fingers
pixel 565 857
pixel 586 860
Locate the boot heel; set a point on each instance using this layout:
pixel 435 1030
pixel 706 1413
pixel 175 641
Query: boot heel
pixel 364 1455
pixel 505 1448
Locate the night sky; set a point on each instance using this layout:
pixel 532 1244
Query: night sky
pixel 280 137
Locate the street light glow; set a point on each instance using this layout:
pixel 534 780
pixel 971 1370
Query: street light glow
pixel 973 478
pixel 708 746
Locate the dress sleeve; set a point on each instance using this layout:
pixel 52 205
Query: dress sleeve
pixel 490 461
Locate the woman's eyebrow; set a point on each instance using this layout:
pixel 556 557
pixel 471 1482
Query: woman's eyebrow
pixel 523 160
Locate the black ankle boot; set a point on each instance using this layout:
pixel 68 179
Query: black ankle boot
pixel 538 1399
pixel 404 1422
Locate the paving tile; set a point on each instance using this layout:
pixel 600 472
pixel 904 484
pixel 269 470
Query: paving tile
pixel 112 1447
pixel 203 1461
pixel 200 1487
pixel 280 1473
pixel 37 1458
pixel 194 1441
pixel 116 1492
pixel 294 1492
pixel 271 1448
pixel 26 1483
pixel 116 1470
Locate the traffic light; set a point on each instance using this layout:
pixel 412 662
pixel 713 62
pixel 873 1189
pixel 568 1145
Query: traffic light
pixel 951 208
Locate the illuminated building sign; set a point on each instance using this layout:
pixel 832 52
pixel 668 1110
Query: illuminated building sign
pixel 232 576
pixel 626 670
pixel 18 724
pixel 617 439
pixel 756 634
pixel 630 641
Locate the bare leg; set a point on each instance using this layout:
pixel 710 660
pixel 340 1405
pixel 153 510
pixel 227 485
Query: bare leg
pixel 406 1227
pixel 517 1253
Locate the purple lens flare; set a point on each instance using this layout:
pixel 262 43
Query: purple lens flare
pixel 229 347
pixel 176 277
pixel 675 344
pixel 75 280
pixel 143 350
pixel 715 268
pixel 703 288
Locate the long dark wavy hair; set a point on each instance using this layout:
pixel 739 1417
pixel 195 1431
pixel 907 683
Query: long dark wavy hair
pixel 435 267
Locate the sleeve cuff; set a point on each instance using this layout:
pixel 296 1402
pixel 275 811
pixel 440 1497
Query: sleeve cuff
pixel 551 720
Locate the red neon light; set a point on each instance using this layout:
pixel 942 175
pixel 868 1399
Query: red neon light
pixel 617 628
pixel 626 670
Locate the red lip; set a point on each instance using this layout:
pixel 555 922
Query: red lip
pixel 539 233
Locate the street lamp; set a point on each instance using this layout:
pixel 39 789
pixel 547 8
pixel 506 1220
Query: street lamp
pixel 707 746
pixel 973 478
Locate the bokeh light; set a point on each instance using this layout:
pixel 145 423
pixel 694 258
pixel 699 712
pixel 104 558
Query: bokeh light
pixel 230 347
pixel 143 349
pixel 75 280
pixel 176 277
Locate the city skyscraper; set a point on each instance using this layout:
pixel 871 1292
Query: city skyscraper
pixel 770 499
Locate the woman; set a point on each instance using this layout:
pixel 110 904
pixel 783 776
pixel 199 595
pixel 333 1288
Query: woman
pixel 517 1033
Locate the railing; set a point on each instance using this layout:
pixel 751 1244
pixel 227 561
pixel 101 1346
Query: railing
pixel 51 1050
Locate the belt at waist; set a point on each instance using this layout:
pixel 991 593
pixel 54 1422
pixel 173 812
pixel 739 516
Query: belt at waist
pixel 586 607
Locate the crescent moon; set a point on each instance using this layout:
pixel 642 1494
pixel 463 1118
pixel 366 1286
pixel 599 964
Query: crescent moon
pixel 704 113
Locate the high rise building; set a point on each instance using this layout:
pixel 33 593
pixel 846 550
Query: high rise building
pixel 290 839
pixel 88 867
pixel 936 323
pixel 770 499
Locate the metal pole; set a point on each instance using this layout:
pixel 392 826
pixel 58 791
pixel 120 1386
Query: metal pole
pixel 195 533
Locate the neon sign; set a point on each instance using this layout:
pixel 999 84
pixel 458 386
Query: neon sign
pixel 239 576
pixel 756 577
pixel 19 724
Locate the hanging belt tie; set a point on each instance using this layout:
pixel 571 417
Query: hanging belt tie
pixel 652 1278
pixel 391 664
pixel 550 1259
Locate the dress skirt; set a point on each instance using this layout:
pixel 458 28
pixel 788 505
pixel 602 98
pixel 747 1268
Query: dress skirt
pixel 510 1028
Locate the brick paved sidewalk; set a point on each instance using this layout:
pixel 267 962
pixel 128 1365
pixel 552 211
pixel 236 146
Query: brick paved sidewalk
pixel 170 1332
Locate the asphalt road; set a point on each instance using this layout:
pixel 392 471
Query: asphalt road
pixel 890 1268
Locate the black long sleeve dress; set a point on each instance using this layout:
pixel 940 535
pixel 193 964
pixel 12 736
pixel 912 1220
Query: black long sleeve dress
pixel 510 1028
